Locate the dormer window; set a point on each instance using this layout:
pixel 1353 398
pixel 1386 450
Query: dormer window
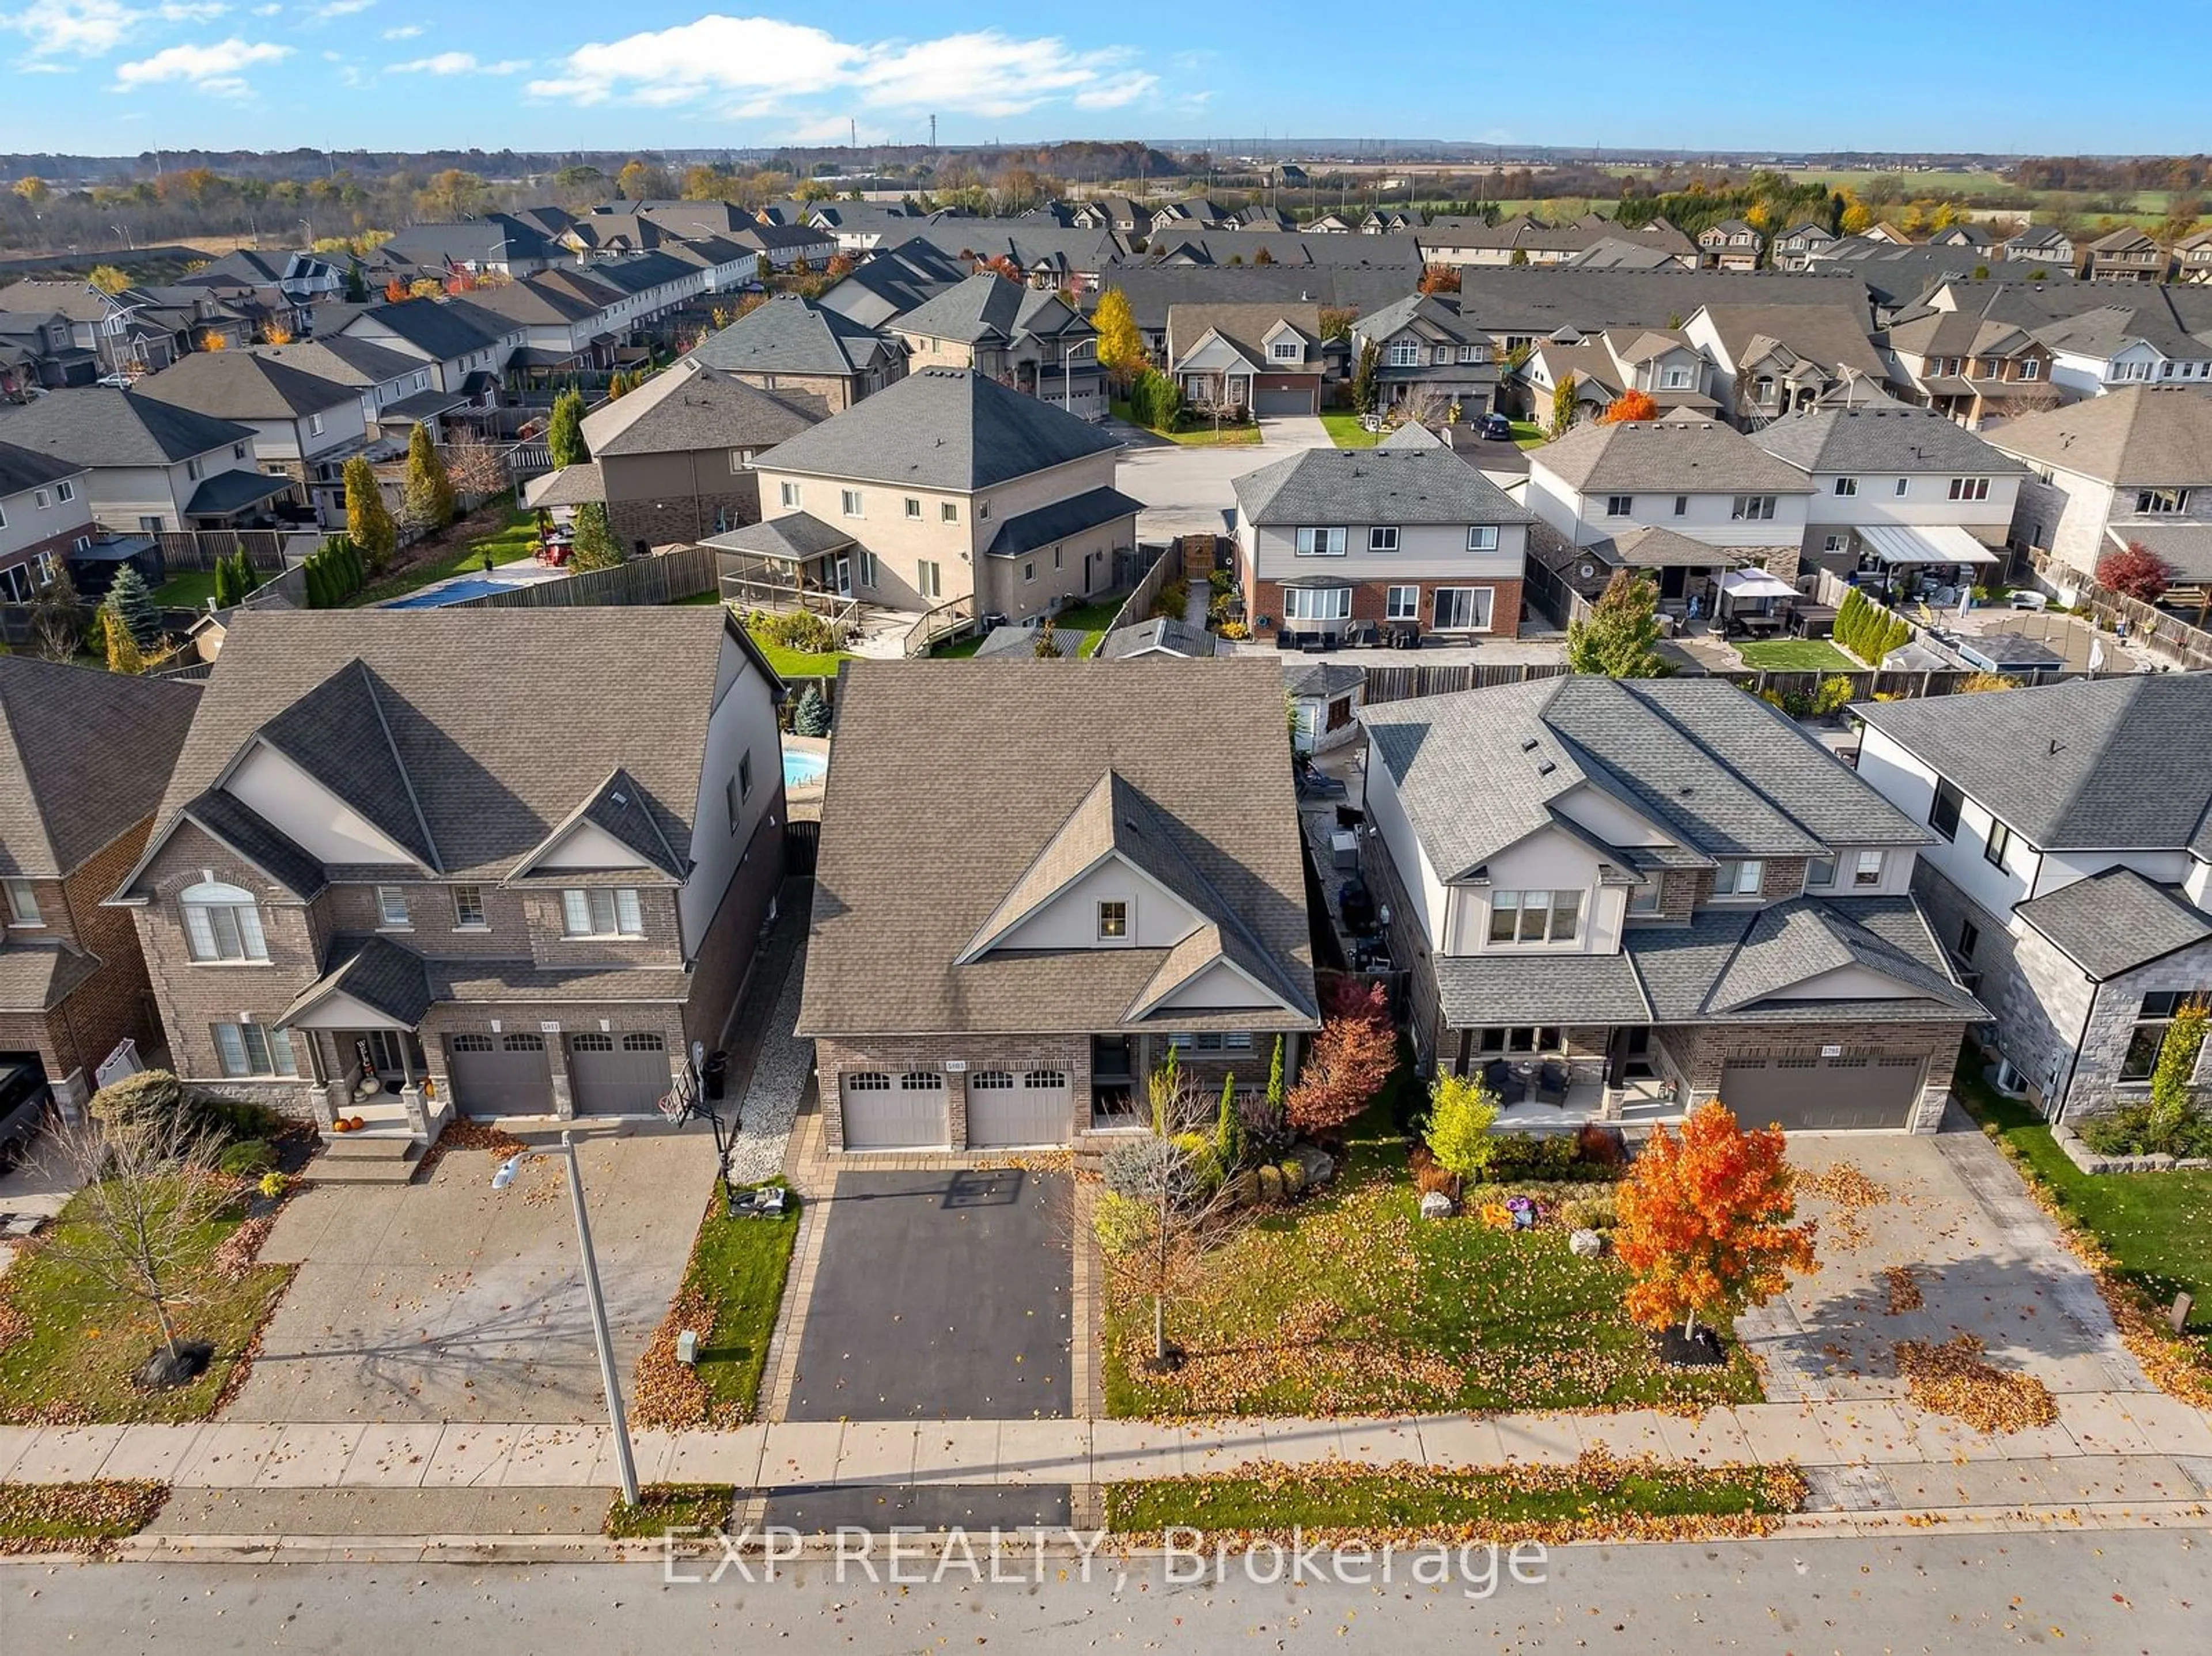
pixel 1534 916
pixel 1286 350
pixel 1113 920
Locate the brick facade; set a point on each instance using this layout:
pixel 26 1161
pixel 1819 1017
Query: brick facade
pixel 690 517
pixel 1693 1055
pixel 1371 602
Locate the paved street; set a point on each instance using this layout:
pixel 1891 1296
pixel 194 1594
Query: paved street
pixel 446 1301
pixel 2138 1591
pixel 1186 490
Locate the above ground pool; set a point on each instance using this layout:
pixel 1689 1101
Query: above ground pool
pixel 802 769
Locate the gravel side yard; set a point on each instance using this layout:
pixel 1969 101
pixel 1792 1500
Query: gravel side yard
pixel 779 1082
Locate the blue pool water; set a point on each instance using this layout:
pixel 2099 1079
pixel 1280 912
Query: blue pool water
pixel 804 770
pixel 452 592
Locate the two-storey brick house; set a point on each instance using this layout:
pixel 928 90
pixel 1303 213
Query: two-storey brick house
pixel 84 755
pixel 1636 895
pixel 510 862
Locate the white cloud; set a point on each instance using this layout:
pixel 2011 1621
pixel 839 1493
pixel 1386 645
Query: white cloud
pixel 88 28
pixel 459 63
pixel 218 68
pixel 343 8
pixel 404 32
pixel 761 66
pixel 190 11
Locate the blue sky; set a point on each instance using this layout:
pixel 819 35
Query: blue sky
pixel 115 76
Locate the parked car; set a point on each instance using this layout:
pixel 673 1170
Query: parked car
pixel 24 1099
pixel 1496 429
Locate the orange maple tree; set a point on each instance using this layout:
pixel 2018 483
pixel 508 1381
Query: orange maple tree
pixel 1706 1222
pixel 1439 279
pixel 395 290
pixel 1348 1062
pixel 1629 405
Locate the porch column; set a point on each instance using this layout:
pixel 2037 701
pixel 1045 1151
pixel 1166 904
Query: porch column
pixel 411 1095
pixel 335 1096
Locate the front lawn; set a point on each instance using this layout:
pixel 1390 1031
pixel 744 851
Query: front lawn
pixel 1595 1498
pixel 76 1342
pixel 1197 436
pixel 731 1293
pixel 75 1517
pixel 1527 434
pixel 1345 431
pixel 1351 1303
pixel 664 1507
pixel 1796 655
pixel 2157 1227
pixel 507 531
pixel 189 589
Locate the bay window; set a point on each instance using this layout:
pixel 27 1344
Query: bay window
pixel 1316 604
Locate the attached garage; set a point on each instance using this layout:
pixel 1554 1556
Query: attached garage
pixel 1824 1095
pixel 1276 395
pixel 499 1075
pixel 1013 1108
pixel 618 1075
pixel 887 1111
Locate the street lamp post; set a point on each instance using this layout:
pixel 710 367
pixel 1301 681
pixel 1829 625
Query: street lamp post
pixel 601 1337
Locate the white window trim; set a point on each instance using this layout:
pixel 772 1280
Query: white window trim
pixel 1401 603
pixel 389 897
pixel 1383 537
pixel 1128 936
pixel 1735 892
pixel 461 922
pixel 633 930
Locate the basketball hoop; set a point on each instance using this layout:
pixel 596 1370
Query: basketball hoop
pixel 677 1104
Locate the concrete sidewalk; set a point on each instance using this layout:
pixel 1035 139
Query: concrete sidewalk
pixel 1871 1455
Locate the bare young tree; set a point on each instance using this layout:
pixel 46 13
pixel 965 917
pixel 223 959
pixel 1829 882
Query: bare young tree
pixel 150 1185
pixel 57 618
pixel 475 467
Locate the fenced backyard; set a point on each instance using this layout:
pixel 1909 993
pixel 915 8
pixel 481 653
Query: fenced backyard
pixel 664 578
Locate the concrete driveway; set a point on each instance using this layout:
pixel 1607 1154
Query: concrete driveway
pixel 446 1300
pixel 942 1295
pixel 1186 490
pixel 1985 1258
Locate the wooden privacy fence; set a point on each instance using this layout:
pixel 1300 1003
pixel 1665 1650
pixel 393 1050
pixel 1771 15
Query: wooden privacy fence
pixel 202 548
pixel 664 578
pixel 2160 629
pixel 1138 606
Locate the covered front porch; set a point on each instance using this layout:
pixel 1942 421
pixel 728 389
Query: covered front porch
pixel 1549 1076
pixel 363 1018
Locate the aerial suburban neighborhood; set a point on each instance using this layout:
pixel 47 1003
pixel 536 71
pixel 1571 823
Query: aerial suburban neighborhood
pixel 712 859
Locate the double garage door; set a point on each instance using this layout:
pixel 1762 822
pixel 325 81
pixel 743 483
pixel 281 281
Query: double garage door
pixel 512 1074
pixel 1006 1109
pixel 1823 1095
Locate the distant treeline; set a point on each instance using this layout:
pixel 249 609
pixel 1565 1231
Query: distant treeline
pixel 2102 174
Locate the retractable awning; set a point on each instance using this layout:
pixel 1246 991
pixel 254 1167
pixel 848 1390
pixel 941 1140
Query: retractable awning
pixel 1894 543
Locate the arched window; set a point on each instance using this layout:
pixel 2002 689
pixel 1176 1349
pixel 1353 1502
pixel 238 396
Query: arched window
pixel 921 1081
pixel 868 1080
pixel 222 923
pixel 990 1081
pixel 1046 1081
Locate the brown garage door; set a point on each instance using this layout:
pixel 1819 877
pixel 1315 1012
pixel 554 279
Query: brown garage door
pixel 1823 1095
pixel 499 1075
pixel 618 1075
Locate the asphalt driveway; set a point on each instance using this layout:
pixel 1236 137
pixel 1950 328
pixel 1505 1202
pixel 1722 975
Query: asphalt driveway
pixel 1188 490
pixel 444 1299
pixel 944 1295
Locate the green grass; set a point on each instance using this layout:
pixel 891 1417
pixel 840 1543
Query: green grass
pixel 1527 434
pixel 513 539
pixel 739 1266
pixel 1088 619
pixel 82 1340
pixel 802 663
pixel 2156 1226
pixel 189 589
pixel 1345 431
pixel 1796 655
pixel 53 1517
pixel 663 1507
pixel 1349 1303
pixel 1198 437
pixel 1467 1505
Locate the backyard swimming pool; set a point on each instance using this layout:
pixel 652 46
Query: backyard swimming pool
pixel 804 770
pixel 452 592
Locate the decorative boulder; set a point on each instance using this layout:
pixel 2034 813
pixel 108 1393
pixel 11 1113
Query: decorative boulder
pixel 1271 1184
pixel 1586 1243
pixel 1437 1206
pixel 1319 1165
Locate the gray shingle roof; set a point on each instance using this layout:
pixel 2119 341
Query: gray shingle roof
pixel 2113 764
pixel 1161 635
pixel 83 758
pixel 374 971
pixel 900 894
pixel 2142 435
pixel 1897 440
pixel 940 429
pixel 689 406
pixel 37 976
pixel 1015 640
pixel 789 335
pixel 253 837
pixel 1653 547
pixel 1665 456
pixel 987 308
pixel 1092 509
pixel 1718 770
pixel 1402 486
pixel 795 536
pixel 2115 921
pixel 22 470
pixel 100 425
pixel 501 721
pixel 1477 989
pixel 240 385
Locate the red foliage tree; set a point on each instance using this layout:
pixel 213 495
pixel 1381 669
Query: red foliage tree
pixel 1629 405
pixel 1705 1221
pixel 840 267
pixel 2134 571
pixel 1001 265
pixel 1348 1062
pixel 395 290
pixel 1439 279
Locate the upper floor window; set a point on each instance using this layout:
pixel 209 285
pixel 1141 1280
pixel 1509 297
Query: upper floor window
pixel 1847 485
pixel 601 912
pixel 1482 537
pixel 1753 508
pixel 912 507
pixel 1113 920
pixel 1994 847
pixel 1470 352
pixel 22 902
pixel 1970 488
pixel 848 502
pixel 314 425
pixel 1534 916
pixel 1868 867
pixel 222 923
pixel 1383 537
pixel 1674 379
pixel 1943 810
pixel 1321 542
pixel 193 471
pixel 948 512
pixel 1681 506
pixel 1819 874
pixel 1619 506
pixel 1903 483
pixel 65 492
pixel 1738 876
pixel 1404 353
pixel 468 907
pixel 1286 350
pixel 2161 502
pixel 2031 368
pixel 391 908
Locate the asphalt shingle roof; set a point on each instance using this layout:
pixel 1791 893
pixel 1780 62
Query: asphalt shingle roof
pixel 22 470
pixel 1161 635
pixel 1899 440
pixel 2112 764
pixel 84 755
pixel 374 971
pixel 2142 435
pixel 1589 989
pixel 1092 509
pixel 901 894
pixel 1665 456
pixel 689 406
pixel 791 335
pixel 2115 921
pixel 100 426
pixel 987 308
pixel 946 428
pixel 1402 486
pixel 240 385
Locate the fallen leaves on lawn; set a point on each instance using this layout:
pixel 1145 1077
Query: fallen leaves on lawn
pixel 1037 1162
pixel 75 1517
pixel 1904 1289
pixel 1953 1379
pixel 670 1394
pixel 14 1324
pixel 236 1258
